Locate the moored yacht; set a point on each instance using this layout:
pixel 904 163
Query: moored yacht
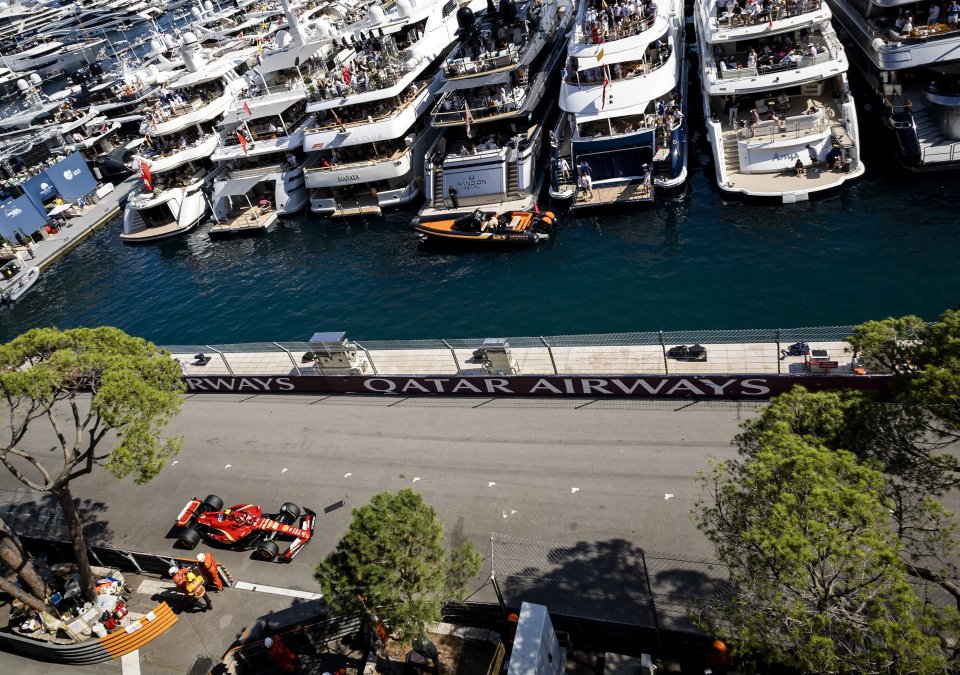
pixel 909 57
pixel 371 102
pixel 625 92
pixel 182 136
pixel 778 108
pixel 493 108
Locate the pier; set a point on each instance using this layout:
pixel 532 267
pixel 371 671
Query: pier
pixel 78 227
pixel 248 219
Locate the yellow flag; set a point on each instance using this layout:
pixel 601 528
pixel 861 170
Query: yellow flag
pixel 600 55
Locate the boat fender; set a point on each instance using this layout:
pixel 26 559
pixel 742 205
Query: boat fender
pixel 549 214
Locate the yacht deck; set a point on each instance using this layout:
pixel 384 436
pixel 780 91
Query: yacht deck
pixel 629 193
pixel 246 219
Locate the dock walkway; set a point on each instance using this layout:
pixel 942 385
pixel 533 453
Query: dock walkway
pixel 79 227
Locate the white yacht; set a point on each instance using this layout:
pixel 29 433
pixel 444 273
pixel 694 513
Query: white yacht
pixel 622 93
pixel 52 57
pixel 264 171
pixel 912 73
pixel 182 137
pixel 494 107
pixel 371 100
pixel 775 94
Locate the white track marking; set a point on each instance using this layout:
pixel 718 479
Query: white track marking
pixel 573 489
pixel 504 514
pixel 347 475
pixel 130 663
pixel 667 495
pixel 284 470
pixel 512 511
pixel 416 478
pixel 491 484
pixel 228 466
pixel 290 592
pixel 176 461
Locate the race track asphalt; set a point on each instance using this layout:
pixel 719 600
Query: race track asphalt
pixel 603 479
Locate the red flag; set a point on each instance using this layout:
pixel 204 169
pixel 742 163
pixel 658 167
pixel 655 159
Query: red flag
pixel 603 104
pixel 247 108
pixel 536 209
pixel 243 142
pixel 346 75
pixel 339 122
pixel 147 178
pixel 770 25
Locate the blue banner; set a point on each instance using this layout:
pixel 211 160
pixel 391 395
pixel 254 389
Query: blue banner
pixel 20 214
pixel 40 189
pixel 72 178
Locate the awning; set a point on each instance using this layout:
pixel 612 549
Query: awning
pixel 638 109
pixel 233 187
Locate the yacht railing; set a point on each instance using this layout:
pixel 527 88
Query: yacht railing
pixel 485 62
pixel 370 119
pixel 590 77
pixel 374 80
pixel 344 166
pixel 727 73
pixel 781 9
pixel 457 112
pixel 255 171
pixel 590 33
pixel 792 127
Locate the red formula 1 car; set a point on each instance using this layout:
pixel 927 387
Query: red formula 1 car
pixel 246 526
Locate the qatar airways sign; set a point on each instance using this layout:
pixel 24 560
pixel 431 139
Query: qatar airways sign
pixel 671 386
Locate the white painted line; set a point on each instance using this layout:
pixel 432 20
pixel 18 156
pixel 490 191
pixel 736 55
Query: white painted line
pixel 284 470
pixel 176 461
pixel 667 495
pixel 228 466
pixel 491 484
pixel 504 514
pixel 347 475
pixel 512 511
pixel 130 663
pixel 574 489
pixel 416 478
pixel 290 592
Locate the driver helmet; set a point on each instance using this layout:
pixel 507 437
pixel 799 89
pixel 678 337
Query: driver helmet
pixel 173 570
pixel 201 557
pixel 268 643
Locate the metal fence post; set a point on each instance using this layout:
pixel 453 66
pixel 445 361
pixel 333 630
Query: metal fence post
pixel 663 347
pixel 553 361
pixel 369 358
pixel 224 358
pixel 456 361
pixel 653 604
pixel 779 352
pixel 292 360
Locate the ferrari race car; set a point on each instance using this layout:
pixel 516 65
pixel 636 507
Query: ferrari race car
pixel 245 526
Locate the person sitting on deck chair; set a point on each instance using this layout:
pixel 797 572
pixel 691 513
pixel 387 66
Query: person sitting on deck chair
pixel 490 224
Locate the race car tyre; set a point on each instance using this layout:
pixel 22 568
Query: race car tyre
pixel 188 539
pixel 268 550
pixel 292 509
pixel 212 503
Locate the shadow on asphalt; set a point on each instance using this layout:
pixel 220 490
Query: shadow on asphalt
pixel 31 514
pixel 607 580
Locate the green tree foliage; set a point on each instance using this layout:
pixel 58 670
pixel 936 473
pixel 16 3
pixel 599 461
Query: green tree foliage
pixel 78 387
pixel 392 566
pixel 815 567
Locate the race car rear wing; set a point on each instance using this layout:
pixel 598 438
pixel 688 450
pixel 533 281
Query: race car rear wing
pixel 186 515
pixel 309 522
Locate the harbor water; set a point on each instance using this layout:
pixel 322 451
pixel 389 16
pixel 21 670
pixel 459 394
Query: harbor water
pixel 886 245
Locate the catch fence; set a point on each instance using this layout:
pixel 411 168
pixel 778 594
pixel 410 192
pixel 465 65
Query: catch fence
pixel 759 351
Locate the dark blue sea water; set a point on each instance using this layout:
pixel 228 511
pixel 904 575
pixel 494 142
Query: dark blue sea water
pixel 888 245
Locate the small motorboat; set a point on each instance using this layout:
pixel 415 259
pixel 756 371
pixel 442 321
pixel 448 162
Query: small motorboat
pixel 19 286
pixel 489 227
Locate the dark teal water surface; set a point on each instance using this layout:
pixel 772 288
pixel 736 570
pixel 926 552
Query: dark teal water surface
pixel 887 245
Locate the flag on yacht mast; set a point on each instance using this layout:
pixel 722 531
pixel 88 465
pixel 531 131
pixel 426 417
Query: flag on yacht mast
pixel 606 81
pixel 336 118
pixel 247 108
pixel 469 118
pixel 243 142
pixel 145 172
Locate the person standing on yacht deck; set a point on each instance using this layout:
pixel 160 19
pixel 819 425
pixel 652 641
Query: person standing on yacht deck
pixel 934 18
pixel 733 111
pixel 752 57
pixel 953 12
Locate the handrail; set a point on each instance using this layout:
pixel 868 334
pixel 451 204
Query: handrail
pixel 577 81
pixel 457 66
pixel 366 120
pixel 481 112
pixel 625 29
pixel 797 126
pixel 785 10
pixel 359 163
